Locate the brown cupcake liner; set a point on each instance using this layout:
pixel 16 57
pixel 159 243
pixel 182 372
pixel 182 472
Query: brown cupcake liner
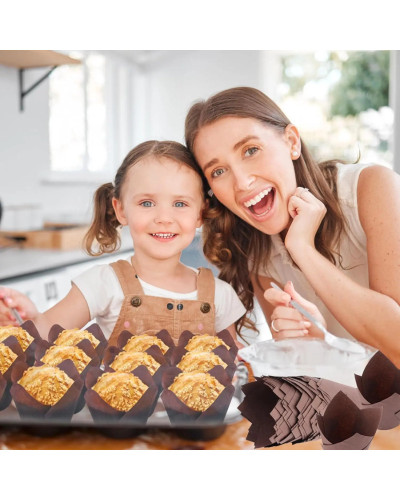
pixel 220 351
pixel 154 351
pixel 103 413
pixel 13 344
pixel 5 396
pixel 344 426
pixel 31 409
pixel 30 327
pixel 163 335
pixel 224 335
pixel 179 413
pixel 94 329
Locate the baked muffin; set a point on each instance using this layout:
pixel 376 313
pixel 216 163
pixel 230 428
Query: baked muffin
pixel 120 390
pixel 58 353
pixel 140 343
pixel 47 384
pixel 73 336
pixel 196 390
pixel 205 343
pixel 23 337
pixel 7 358
pixel 200 361
pixel 127 361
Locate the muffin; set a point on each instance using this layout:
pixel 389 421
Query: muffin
pixel 73 336
pixel 196 390
pixel 127 361
pixel 46 384
pixel 120 390
pixel 58 353
pixel 7 357
pixel 23 337
pixel 200 361
pixel 140 343
pixel 204 343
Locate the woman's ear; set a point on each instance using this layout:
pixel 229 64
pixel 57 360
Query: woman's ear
pixel 119 212
pixel 203 211
pixel 292 135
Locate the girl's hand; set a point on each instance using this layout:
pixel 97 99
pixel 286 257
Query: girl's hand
pixel 17 300
pixel 307 213
pixel 286 321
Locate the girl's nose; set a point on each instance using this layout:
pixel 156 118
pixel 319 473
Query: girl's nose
pixel 163 216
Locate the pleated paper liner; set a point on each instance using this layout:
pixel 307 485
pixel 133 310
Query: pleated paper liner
pixel 224 335
pixel 220 351
pixel 154 351
pixel 179 413
pixel 86 346
pixel 344 426
pixel 94 329
pixel 379 385
pixel 29 327
pixel 31 409
pixel 163 335
pixel 103 413
pixel 5 396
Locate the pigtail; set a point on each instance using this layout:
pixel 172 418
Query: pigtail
pixel 103 232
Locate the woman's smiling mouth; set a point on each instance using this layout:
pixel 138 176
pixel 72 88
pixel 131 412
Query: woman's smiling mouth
pixel 262 203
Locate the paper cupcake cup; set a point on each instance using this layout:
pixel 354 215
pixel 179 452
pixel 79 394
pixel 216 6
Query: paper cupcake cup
pixel 103 413
pixel 30 328
pixel 180 414
pixel 94 329
pixel 224 335
pixel 5 396
pixel 163 335
pixel 31 409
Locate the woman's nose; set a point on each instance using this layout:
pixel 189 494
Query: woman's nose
pixel 243 180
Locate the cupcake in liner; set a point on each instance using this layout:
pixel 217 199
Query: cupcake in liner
pixel 27 336
pixel 10 353
pixel 344 426
pixel 120 397
pixel 46 393
pixel 82 354
pixel 60 336
pixel 204 361
pixel 153 359
pixel 211 393
pixel 379 385
pixel 223 339
pixel 140 343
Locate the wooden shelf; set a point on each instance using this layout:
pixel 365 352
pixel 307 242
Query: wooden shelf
pixel 34 58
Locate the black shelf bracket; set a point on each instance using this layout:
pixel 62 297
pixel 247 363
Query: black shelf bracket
pixel 22 92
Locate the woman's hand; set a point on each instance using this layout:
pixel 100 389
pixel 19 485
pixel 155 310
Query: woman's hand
pixel 307 213
pixel 286 321
pixel 10 298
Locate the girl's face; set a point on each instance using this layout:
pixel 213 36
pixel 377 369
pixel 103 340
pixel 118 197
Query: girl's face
pixel 249 167
pixel 161 202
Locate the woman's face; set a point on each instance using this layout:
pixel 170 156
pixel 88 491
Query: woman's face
pixel 249 166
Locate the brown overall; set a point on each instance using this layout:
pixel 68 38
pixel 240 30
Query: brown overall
pixel 143 313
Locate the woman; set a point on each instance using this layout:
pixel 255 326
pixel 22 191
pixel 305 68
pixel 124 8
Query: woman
pixel 329 233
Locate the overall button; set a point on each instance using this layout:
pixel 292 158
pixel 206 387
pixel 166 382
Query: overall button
pixel 136 301
pixel 170 306
pixel 179 307
pixel 205 307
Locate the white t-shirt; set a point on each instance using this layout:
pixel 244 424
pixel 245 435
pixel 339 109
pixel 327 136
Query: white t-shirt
pixel 103 293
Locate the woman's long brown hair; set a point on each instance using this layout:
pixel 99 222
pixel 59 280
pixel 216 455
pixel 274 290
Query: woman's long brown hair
pixel 228 241
pixel 103 235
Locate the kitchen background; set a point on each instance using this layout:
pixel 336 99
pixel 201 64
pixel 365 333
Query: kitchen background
pixel 78 124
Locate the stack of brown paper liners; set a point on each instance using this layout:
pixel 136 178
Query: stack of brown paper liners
pixel 297 409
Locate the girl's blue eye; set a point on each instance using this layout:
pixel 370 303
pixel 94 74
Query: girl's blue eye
pixel 217 172
pixel 180 204
pixel 147 204
pixel 250 151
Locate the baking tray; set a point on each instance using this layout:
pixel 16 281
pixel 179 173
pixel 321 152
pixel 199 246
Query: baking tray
pixel 9 417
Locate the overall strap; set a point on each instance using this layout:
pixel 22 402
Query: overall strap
pixel 127 277
pixel 205 285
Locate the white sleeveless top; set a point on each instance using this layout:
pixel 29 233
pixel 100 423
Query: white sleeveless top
pixel 352 249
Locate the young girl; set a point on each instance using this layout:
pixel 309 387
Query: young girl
pixel 159 195
pixel 329 233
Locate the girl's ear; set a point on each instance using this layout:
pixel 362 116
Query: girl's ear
pixel 293 137
pixel 119 211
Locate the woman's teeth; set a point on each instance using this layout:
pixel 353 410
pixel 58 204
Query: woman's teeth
pixel 164 235
pixel 257 198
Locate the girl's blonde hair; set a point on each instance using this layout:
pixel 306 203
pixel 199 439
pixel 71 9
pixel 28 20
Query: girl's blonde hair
pixel 103 235
pixel 228 240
